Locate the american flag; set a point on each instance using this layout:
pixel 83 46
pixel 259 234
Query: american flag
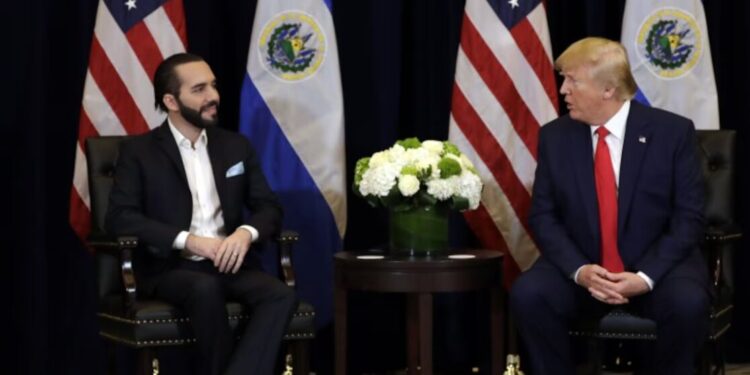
pixel 131 38
pixel 504 92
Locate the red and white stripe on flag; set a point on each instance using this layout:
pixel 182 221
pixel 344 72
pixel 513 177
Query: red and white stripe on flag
pixel 130 39
pixel 504 92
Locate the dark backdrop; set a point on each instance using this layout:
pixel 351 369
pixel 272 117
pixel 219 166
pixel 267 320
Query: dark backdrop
pixel 397 64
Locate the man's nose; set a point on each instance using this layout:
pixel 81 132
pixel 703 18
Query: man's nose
pixel 564 88
pixel 213 94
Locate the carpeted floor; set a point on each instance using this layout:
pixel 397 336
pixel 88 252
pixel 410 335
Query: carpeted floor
pixel 732 369
pixel 738 369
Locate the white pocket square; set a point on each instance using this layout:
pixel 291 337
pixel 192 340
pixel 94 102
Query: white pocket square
pixel 236 170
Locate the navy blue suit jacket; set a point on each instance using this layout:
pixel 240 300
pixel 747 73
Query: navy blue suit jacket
pixel 660 196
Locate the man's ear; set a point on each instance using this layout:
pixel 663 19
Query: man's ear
pixel 170 101
pixel 609 92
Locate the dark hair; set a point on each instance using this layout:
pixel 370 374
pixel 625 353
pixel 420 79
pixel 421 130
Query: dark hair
pixel 165 77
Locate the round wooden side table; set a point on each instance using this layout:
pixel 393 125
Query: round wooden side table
pixel 419 278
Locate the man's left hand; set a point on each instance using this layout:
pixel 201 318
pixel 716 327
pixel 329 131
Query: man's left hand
pixel 232 251
pixel 628 284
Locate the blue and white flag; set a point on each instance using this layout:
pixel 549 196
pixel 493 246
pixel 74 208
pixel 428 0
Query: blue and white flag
pixel 669 53
pixel 292 111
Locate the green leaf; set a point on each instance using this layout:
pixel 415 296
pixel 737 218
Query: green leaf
pixel 393 198
pixel 459 203
pixel 425 199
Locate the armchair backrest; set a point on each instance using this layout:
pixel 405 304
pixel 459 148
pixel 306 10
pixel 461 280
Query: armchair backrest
pixel 101 157
pixel 717 149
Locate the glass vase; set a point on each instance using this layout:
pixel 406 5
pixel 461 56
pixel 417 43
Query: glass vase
pixel 419 231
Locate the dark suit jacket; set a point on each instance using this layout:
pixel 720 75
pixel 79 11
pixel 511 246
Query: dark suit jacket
pixel 660 196
pixel 151 197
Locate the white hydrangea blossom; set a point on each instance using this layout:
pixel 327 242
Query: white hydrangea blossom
pixel 427 162
pixel 408 185
pixel 435 147
pixel 379 180
pixel 396 154
pixel 383 173
pixel 415 155
pixel 442 189
pixel 379 158
pixel 466 162
pixel 470 187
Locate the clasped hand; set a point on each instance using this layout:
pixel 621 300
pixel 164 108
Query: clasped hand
pixel 611 288
pixel 226 253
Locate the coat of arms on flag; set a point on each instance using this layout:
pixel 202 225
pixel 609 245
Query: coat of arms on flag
pixel 292 45
pixel 670 57
pixel 670 41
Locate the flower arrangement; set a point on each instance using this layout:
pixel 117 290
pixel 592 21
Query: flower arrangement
pixel 415 174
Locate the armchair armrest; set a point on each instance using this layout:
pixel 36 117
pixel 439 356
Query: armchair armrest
pixel 286 239
pixel 718 251
pixel 722 233
pixel 121 248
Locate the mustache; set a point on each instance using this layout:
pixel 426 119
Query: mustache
pixel 213 103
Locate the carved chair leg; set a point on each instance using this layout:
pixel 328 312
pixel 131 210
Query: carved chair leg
pixel 596 354
pixel 717 356
pixel 111 349
pixel 148 363
pixel 300 352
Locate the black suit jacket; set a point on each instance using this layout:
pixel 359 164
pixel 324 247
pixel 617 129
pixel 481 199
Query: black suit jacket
pixel 151 197
pixel 660 200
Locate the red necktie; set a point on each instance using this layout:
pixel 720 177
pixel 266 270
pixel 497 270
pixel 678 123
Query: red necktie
pixel 606 194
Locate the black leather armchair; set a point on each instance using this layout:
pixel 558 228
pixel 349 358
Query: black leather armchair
pixel 717 149
pixel 145 324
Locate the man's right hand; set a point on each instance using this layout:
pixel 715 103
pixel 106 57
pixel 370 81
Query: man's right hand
pixel 593 277
pixel 203 246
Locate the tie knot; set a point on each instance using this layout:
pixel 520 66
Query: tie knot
pixel 602 132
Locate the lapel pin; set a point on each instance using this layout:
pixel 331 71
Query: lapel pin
pixel 642 139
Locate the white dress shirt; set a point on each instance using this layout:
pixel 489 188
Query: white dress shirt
pixel 616 127
pixel 207 219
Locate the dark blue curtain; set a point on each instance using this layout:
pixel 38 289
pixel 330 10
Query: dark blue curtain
pixel 397 59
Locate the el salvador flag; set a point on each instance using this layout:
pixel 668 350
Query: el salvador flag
pixel 669 54
pixel 291 109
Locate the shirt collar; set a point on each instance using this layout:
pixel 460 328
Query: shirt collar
pixel 184 142
pixel 616 124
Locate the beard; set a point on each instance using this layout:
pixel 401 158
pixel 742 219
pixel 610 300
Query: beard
pixel 195 117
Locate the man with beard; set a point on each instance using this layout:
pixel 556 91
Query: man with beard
pixel 181 189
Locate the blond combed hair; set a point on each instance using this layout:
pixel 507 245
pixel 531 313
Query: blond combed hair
pixel 608 61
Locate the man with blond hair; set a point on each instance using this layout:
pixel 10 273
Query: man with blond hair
pixel 617 213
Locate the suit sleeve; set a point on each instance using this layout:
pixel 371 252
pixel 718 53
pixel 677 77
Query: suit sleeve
pixel 266 211
pixel 686 223
pixel 546 224
pixel 125 212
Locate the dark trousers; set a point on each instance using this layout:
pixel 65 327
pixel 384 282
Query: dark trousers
pixel 201 291
pixel 544 303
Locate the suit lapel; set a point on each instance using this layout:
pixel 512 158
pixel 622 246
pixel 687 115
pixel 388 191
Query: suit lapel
pixel 637 134
pixel 166 142
pixel 583 163
pixel 217 163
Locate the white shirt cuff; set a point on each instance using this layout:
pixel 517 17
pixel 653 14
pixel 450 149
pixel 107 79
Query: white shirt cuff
pixel 646 279
pixel 575 275
pixel 253 232
pixel 179 241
